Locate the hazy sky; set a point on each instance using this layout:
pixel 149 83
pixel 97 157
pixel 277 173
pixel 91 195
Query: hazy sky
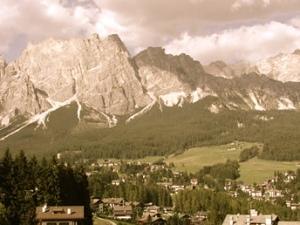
pixel 208 30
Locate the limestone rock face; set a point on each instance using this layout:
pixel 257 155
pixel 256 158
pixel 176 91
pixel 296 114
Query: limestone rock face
pixel 106 83
pixel 178 79
pixel 18 97
pixel 172 79
pixel 221 69
pixel 283 67
pixel 2 66
pixel 99 72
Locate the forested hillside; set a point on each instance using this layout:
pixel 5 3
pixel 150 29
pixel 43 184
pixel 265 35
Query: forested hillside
pixel 164 132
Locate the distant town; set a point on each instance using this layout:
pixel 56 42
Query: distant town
pixel 114 198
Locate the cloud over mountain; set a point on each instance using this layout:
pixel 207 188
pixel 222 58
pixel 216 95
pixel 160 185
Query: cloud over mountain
pixel 143 23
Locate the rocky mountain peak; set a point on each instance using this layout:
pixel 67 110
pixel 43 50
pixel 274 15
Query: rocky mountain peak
pixel 97 74
pixel 283 67
pixel 3 64
pixel 220 69
pixel 114 38
pixel 105 83
pixel 218 63
pixel 182 67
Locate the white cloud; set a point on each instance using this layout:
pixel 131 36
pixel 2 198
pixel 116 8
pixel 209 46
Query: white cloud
pixel 107 24
pixel 143 23
pixel 35 20
pixel 248 43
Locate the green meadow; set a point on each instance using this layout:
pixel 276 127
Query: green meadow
pixel 254 170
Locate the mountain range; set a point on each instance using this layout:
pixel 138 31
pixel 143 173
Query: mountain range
pixel 108 85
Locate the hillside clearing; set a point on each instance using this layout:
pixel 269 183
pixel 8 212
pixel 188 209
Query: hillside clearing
pixel 254 170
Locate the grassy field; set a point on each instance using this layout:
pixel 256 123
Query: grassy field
pixel 258 170
pixel 254 170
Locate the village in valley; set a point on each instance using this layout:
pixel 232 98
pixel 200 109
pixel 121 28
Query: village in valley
pixel 140 192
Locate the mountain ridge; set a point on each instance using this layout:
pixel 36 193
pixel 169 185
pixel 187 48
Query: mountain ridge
pixel 283 67
pixel 107 84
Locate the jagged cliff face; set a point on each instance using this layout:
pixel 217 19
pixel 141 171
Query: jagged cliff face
pixel 106 83
pixel 171 79
pixel 283 67
pixel 258 92
pixel 2 66
pixel 18 97
pixel 98 72
pixel 175 80
pixel 221 69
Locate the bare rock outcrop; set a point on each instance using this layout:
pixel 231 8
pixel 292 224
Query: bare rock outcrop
pixel 2 66
pixel 99 72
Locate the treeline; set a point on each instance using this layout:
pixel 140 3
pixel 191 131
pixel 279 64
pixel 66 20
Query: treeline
pixel 215 176
pixel 248 153
pixel 172 130
pixel 28 183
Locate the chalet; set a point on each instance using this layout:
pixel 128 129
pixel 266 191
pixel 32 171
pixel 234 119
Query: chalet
pixel 60 215
pixel 152 209
pixel 111 202
pixel 254 218
pixel 122 212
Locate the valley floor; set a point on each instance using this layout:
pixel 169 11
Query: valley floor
pixel 254 170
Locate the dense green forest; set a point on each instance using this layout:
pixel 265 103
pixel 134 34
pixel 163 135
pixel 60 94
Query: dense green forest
pixel 249 153
pixel 27 183
pixel 171 130
pixel 215 176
